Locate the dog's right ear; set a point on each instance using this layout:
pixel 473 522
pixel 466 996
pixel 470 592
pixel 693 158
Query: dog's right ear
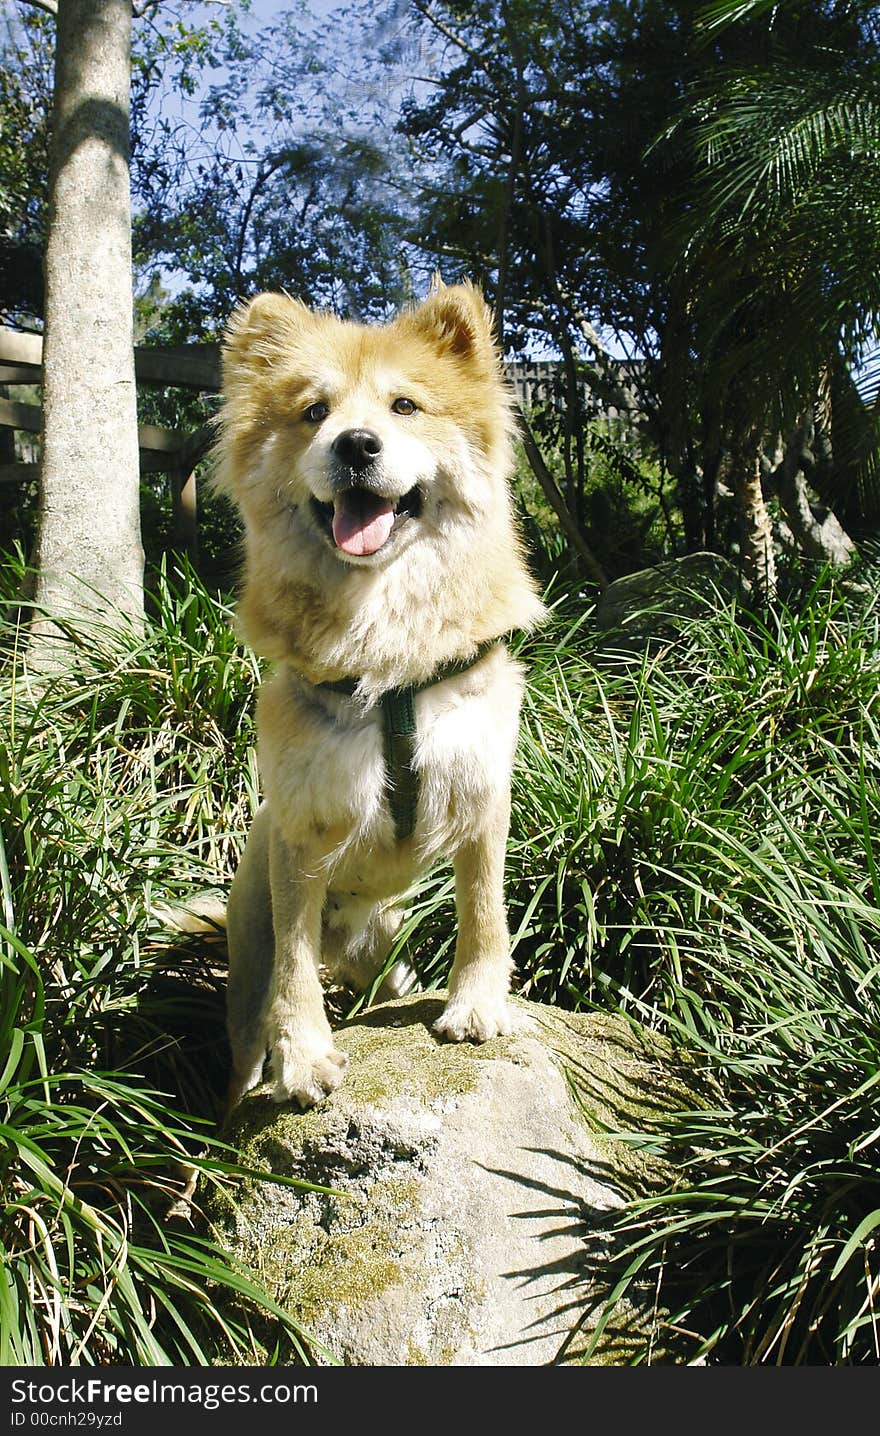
pixel 259 331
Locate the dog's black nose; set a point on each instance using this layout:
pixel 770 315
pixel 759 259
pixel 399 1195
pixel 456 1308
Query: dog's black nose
pixel 357 447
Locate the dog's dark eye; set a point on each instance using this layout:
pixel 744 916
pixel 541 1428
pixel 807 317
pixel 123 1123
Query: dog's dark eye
pixel 316 412
pixel 403 406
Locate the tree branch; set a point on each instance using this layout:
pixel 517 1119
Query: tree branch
pixel 449 34
pixel 138 11
pixel 557 502
pixel 50 6
pixel 512 173
pixel 264 173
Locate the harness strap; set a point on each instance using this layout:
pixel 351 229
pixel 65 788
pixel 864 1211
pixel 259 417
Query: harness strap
pixel 401 778
pixel 399 724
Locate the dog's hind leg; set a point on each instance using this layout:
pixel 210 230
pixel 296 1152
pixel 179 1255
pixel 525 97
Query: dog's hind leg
pixel 356 938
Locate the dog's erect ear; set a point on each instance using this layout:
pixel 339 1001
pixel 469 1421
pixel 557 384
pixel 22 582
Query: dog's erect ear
pixel 260 330
pixel 460 321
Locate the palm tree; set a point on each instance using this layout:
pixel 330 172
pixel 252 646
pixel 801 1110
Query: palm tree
pixel 784 233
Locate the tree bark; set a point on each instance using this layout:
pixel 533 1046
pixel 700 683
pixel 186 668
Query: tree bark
pixel 756 531
pixel 674 386
pixel 89 554
pixel 819 535
pixel 816 529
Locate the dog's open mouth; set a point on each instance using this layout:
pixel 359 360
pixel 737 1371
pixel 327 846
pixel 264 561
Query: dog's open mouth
pixel 361 522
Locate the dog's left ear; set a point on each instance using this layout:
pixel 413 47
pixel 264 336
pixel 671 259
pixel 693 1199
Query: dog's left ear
pixel 459 320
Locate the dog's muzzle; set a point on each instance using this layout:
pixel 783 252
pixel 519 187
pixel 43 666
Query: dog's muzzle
pixel 362 516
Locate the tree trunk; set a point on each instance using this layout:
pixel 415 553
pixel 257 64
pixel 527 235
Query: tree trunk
pixel 675 386
pixel 819 535
pixel 815 527
pixel 756 532
pixel 512 173
pixel 89 552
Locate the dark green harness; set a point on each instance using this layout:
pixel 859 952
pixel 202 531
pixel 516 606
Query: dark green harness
pixel 399 722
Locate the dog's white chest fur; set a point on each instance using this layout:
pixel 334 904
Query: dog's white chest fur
pixel 323 762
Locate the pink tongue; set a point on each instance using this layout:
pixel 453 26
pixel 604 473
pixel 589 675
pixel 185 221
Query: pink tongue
pixel 361 522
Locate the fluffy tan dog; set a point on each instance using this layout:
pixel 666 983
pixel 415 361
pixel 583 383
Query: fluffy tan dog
pixel 383 568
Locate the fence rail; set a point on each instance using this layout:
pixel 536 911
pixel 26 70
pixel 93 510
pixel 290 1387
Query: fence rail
pixel 184 366
pixel 174 452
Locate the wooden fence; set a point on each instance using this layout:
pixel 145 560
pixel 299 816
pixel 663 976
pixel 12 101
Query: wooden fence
pixel 162 451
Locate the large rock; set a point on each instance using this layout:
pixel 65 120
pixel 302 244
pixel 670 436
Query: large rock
pixel 644 610
pixel 469 1187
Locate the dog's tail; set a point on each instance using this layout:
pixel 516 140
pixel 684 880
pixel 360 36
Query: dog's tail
pixel 204 914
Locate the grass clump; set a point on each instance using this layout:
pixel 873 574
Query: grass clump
pixel 700 837
pixel 125 778
pixel 764 1248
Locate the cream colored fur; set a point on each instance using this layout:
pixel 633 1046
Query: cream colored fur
pixel 322 868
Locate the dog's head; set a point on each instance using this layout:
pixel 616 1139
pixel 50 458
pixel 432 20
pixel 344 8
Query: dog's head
pixel 367 438
pixel 370 464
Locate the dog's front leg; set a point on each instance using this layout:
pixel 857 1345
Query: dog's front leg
pixel 304 1062
pixel 480 979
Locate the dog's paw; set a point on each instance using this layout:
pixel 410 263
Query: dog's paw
pixel 305 1067
pixel 474 1019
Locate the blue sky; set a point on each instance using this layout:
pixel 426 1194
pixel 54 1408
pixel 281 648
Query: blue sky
pixel 262 13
